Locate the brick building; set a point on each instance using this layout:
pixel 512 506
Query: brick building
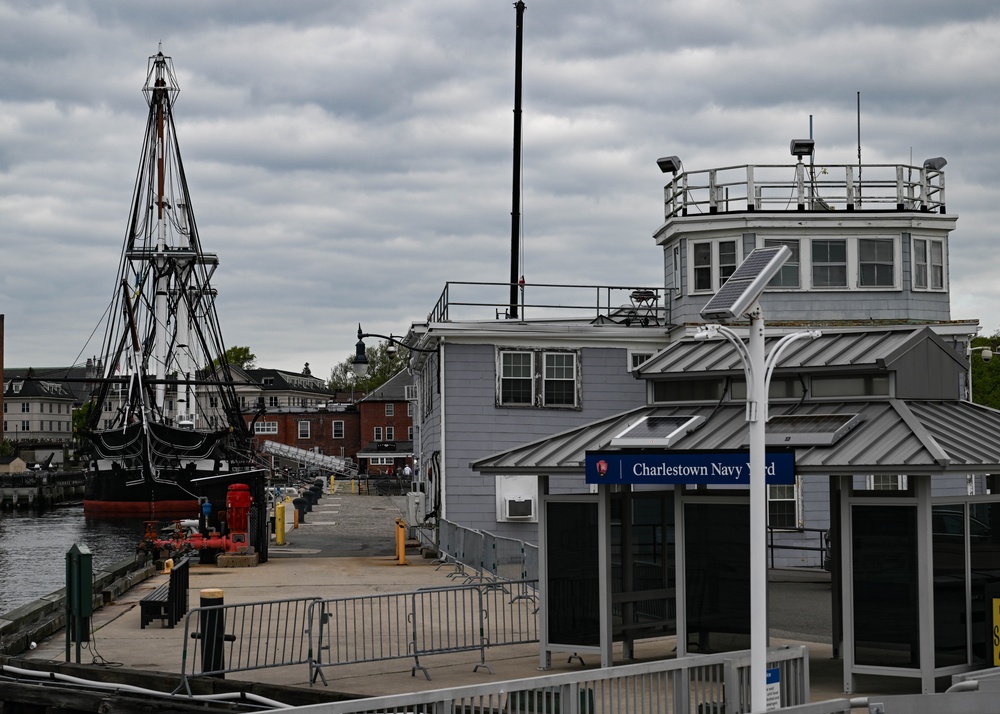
pixel 387 430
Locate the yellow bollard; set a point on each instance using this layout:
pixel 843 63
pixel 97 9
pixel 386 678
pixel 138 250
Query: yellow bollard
pixel 279 524
pixel 295 517
pixel 352 486
pixel 333 483
pixel 400 542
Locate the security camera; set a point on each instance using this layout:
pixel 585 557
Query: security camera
pixel 987 354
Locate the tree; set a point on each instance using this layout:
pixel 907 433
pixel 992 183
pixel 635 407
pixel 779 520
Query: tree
pixel 986 375
pixel 81 416
pixel 240 357
pixel 8 448
pixel 381 367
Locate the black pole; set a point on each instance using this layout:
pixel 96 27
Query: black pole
pixel 515 211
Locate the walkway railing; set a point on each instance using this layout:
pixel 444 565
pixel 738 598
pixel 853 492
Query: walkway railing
pixel 463 618
pixel 479 555
pixel 707 684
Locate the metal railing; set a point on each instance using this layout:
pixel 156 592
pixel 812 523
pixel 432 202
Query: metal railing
pixel 707 684
pixel 803 536
pixel 238 638
pixel 432 621
pixel 479 555
pixel 624 304
pixel 805 187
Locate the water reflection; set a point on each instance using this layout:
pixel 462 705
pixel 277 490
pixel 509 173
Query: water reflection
pixel 33 549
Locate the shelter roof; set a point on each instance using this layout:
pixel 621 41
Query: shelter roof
pixel 894 437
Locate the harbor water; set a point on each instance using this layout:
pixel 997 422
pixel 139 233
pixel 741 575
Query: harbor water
pixel 33 549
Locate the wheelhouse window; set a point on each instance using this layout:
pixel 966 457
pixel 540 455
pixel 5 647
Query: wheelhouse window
pixel 829 263
pixel 876 263
pixel 928 264
pixel 538 378
pixel 788 275
pixel 687 390
pixel 712 262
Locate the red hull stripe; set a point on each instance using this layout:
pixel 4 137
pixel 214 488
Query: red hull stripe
pixel 141 509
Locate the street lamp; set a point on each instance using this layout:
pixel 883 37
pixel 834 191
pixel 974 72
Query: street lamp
pixel 738 299
pixel 360 362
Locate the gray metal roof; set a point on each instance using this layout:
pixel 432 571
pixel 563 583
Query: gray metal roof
pixel 895 437
pixel 839 350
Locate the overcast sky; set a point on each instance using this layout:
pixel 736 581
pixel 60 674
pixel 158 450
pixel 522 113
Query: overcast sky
pixel 347 159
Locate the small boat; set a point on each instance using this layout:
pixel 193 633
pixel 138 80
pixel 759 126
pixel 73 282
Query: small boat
pixel 164 425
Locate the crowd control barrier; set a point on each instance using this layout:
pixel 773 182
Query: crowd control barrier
pixel 462 618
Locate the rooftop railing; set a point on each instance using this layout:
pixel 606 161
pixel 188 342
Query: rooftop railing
pixel 629 305
pixel 805 187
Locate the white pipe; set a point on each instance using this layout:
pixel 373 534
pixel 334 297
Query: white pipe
pixel 141 690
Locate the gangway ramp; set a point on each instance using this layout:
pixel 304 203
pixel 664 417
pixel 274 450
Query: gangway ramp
pixel 335 464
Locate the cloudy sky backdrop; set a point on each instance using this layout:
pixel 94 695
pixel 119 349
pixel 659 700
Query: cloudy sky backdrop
pixel 346 159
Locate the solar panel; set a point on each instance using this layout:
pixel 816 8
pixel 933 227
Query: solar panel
pixel 809 429
pixel 746 283
pixel 656 431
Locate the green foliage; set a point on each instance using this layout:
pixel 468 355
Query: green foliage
pixel 81 416
pixel 986 375
pixel 7 448
pixel 381 367
pixel 241 357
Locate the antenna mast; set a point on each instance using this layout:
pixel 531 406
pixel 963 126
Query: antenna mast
pixel 515 211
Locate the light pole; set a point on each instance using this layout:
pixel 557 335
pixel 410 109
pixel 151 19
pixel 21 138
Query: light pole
pixel 360 362
pixel 758 371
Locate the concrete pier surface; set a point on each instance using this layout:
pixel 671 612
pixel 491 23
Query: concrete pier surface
pixel 346 548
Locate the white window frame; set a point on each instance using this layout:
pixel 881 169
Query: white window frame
pixel 637 357
pixel 714 266
pixel 879 262
pixel 306 431
pixel 796 499
pixel 886 482
pixel 390 409
pixel 338 423
pixel 541 374
pixel 794 262
pixel 549 375
pixel 390 433
pixel 377 434
pixel 265 427
pixel 409 433
pixel 501 376
pixel 932 268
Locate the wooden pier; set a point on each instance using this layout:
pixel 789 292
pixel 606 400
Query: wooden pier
pixel 38 490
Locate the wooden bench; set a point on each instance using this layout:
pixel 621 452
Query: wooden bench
pixel 169 601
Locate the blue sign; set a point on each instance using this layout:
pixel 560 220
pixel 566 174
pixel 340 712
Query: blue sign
pixel 686 467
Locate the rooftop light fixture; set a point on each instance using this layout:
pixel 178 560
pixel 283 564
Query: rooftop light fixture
pixel 669 164
pixel 360 362
pixel 802 147
pixel 936 164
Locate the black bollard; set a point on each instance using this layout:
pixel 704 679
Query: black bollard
pixel 213 633
pixel 300 506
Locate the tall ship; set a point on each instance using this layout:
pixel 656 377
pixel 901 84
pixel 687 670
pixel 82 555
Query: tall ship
pixel 165 425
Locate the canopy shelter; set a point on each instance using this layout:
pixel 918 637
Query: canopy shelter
pixel 916 566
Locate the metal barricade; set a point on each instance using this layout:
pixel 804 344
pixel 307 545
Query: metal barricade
pixel 237 638
pixel 462 618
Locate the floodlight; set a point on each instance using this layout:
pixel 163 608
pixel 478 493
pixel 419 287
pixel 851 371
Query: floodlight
pixel 936 164
pixel 669 164
pixel 802 147
pixel 746 284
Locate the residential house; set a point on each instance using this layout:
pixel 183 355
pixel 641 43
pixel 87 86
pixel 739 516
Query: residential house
pixel 37 410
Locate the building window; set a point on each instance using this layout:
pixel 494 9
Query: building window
pixel 677 271
pixel 928 264
pixel 560 379
pixel 378 433
pixel 829 263
pixel 265 427
pixel 338 430
pixel 213 402
pixel 272 401
pixel 782 506
pixel 25 407
pixel 712 263
pixel 637 358
pixel 409 433
pixel 390 433
pixel 303 430
pixel 555 384
pixel 876 263
pixel 390 409
pixel 25 426
pixel 516 380
pixel 886 482
pixel 410 409
pixel 788 275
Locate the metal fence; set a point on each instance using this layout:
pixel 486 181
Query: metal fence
pixel 479 555
pixel 462 618
pixel 237 638
pixel 707 684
